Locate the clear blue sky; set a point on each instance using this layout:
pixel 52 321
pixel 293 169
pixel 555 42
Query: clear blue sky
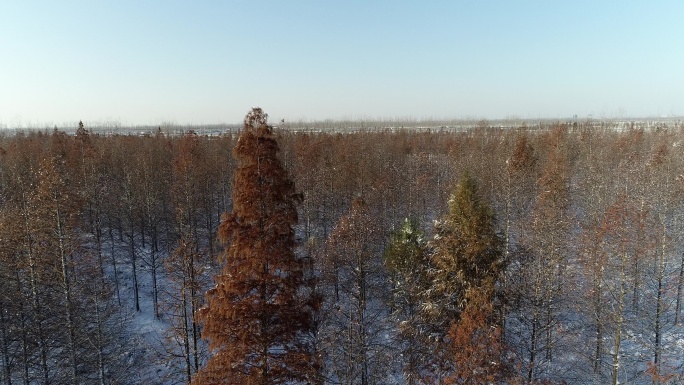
pixel 148 62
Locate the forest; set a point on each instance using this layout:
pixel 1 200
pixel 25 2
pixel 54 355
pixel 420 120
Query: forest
pixel 545 254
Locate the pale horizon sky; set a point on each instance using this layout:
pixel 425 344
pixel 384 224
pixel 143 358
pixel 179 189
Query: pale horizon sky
pixel 205 62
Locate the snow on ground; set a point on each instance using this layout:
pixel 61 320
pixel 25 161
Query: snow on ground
pixel 149 348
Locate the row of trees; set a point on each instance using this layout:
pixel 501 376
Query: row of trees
pixel 581 267
pixel 87 224
pixel 590 218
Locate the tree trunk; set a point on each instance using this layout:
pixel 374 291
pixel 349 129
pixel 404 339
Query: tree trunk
pixel 659 305
pixel 7 369
pixel 112 255
pixel 100 342
pixel 680 283
pixel 617 339
pixel 193 308
pixel 37 308
pixel 186 336
pixel 66 291
pixel 533 347
pixel 134 262
pixel 153 271
pixel 598 305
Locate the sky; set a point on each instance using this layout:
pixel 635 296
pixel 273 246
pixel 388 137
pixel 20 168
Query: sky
pixel 204 62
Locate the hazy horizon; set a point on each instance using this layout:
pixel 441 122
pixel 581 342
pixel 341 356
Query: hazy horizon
pixel 149 63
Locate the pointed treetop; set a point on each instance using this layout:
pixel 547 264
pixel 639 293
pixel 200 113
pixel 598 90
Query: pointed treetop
pixel 255 118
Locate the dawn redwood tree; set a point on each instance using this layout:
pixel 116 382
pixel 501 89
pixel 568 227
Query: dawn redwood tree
pixel 513 199
pixel 41 276
pixel 187 188
pixel 153 194
pixel 618 238
pixel 85 163
pixel 15 345
pixel 355 332
pixel 660 275
pixel 185 264
pixel 258 317
pixel 56 328
pixel 518 186
pixel 182 301
pixel 547 240
pixel 56 217
pixel 311 168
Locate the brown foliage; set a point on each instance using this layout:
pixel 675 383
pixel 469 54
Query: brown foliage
pixel 256 319
pixel 354 326
pixel 479 355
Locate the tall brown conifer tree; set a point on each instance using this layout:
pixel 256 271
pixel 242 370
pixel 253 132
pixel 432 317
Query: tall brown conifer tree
pixel 257 320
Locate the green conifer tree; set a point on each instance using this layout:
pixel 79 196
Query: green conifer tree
pixel 467 250
pixel 408 263
pixel 466 255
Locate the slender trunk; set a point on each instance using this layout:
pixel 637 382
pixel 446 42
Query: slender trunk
pixel 657 327
pixel 195 344
pixel 167 230
pixel 507 213
pixel 210 229
pixel 637 274
pixel 536 321
pixel 134 262
pixel 598 305
pixel 37 306
pixel 100 343
pixel 659 305
pixel 507 253
pixel 142 232
pixel 6 363
pixel 362 322
pixel 263 324
pixel 100 257
pixel 119 226
pixel 548 329
pixel 24 333
pixel 153 271
pixel 24 347
pixel 618 324
pixel 193 309
pixel 533 347
pixel 116 270
pixel 680 283
pixel 616 351
pixel 66 291
pixel 553 287
pixel 155 290
pixel 186 336
pixel 635 289
pixel 97 230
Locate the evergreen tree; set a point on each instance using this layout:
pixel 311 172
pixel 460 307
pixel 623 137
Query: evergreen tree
pixel 466 255
pixel 407 260
pixel 467 251
pixel 257 319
